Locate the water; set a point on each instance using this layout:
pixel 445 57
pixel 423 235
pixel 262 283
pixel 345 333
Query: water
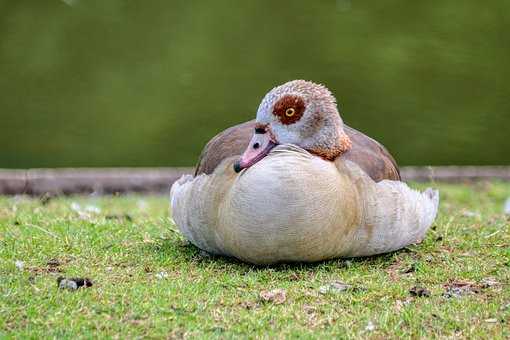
pixel 132 83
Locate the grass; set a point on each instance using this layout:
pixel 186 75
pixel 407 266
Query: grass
pixel 148 282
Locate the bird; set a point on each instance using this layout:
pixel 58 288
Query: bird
pixel 293 196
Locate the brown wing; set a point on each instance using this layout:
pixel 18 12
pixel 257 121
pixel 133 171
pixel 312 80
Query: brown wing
pixel 370 155
pixel 230 142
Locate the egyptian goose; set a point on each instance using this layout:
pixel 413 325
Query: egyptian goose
pixel 293 196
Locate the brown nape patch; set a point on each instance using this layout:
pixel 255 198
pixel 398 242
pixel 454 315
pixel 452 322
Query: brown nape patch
pixel 289 109
pixel 331 153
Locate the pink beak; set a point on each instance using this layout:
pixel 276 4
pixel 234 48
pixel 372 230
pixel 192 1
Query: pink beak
pixel 260 145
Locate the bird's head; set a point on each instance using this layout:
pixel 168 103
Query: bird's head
pixel 298 112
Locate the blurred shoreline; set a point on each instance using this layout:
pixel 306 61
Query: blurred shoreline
pixel 104 181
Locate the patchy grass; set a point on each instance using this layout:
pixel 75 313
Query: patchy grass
pixel 147 281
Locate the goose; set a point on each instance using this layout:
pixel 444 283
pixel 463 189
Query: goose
pixel 292 196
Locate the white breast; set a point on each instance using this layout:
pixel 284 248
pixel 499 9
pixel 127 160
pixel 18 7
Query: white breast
pixel 291 206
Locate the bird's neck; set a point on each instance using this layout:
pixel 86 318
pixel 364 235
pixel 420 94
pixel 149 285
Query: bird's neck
pixel 330 141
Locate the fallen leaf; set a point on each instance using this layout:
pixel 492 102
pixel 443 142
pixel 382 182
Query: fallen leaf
pixel 85 212
pixel 294 277
pixel 457 289
pixel 162 275
pixel 147 239
pixel 370 326
pixel 468 213
pixel 53 263
pixel 276 296
pixel 309 309
pixel 19 264
pixel 419 292
pixel 334 287
pixel 411 269
pixel 248 305
pixel 399 304
pixel 74 283
pixel 489 282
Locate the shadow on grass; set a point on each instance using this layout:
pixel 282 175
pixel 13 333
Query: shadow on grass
pixel 177 248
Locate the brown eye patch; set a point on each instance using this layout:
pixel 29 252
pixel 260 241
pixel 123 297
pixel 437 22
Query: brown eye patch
pixel 289 109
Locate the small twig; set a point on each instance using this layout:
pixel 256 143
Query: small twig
pixel 43 230
pixel 494 233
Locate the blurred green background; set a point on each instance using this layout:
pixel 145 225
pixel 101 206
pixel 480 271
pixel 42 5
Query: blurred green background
pixel 148 83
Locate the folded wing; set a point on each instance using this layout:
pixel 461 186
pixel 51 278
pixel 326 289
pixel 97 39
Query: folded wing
pixel 394 215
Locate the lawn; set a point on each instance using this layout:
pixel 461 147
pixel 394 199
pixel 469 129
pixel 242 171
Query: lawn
pixel 148 281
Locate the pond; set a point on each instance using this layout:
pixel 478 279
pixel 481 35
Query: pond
pixel 132 83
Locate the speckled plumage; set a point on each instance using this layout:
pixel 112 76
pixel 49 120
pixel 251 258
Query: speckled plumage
pixel 320 129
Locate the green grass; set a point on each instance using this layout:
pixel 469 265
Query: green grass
pixel 218 297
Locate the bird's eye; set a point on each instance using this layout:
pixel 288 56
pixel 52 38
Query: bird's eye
pixel 290 112
pixel 289 109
